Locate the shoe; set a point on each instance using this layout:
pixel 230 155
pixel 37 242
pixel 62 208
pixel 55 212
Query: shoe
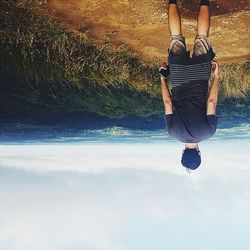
pixel 202 45
pixel 177 45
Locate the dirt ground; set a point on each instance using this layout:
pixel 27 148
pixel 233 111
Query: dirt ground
pixel 143 24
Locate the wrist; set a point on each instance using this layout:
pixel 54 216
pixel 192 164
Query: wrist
pixel 216 76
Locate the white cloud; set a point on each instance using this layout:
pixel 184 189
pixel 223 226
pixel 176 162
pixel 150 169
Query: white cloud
pixel 92 196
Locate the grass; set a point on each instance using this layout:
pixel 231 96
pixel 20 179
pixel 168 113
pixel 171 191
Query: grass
pixel 41 50
pixel 101 79
pixel 235 80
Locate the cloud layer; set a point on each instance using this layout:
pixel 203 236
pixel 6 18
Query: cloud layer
pixel 123 197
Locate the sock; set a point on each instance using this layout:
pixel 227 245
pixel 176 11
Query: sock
pixel 172 1
pixel 204 2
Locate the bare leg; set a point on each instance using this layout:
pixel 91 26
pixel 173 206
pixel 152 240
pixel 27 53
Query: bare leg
pixel 203 21
pixel 174 20
pixel 177 41
pixel 202 43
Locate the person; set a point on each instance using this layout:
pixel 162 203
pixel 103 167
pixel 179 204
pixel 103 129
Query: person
pixel 190 105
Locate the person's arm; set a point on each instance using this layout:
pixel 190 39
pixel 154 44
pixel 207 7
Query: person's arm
pixel 214 91
pixel 166 96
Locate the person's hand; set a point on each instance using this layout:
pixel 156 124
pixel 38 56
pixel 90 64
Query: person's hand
pixel 215 69
pixel 164 70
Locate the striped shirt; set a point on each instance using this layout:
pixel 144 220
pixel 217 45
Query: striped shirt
pixel 182 74
pixel 189 122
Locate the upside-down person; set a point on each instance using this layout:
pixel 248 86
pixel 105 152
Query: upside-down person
pixel 190 105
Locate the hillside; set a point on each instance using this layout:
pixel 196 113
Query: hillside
pixel 143 24
pixel 50 64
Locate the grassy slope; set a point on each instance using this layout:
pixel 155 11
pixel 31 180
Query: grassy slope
pixel 65 71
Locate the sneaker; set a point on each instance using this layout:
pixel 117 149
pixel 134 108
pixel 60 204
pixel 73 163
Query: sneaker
pixel 177 45
pixel 202 46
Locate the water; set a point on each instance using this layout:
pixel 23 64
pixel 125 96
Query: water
pixel 122 189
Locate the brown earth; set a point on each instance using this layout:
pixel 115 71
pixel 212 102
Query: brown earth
pixel 143 24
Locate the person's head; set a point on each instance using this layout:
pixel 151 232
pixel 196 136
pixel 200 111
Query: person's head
pixel 191 158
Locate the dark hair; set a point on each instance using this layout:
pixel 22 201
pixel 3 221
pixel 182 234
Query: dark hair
pixel 191 158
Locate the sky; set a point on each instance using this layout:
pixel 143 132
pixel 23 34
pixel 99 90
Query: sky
pixel 124 196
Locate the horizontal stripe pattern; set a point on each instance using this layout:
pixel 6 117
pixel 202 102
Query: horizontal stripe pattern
pixel 182 74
